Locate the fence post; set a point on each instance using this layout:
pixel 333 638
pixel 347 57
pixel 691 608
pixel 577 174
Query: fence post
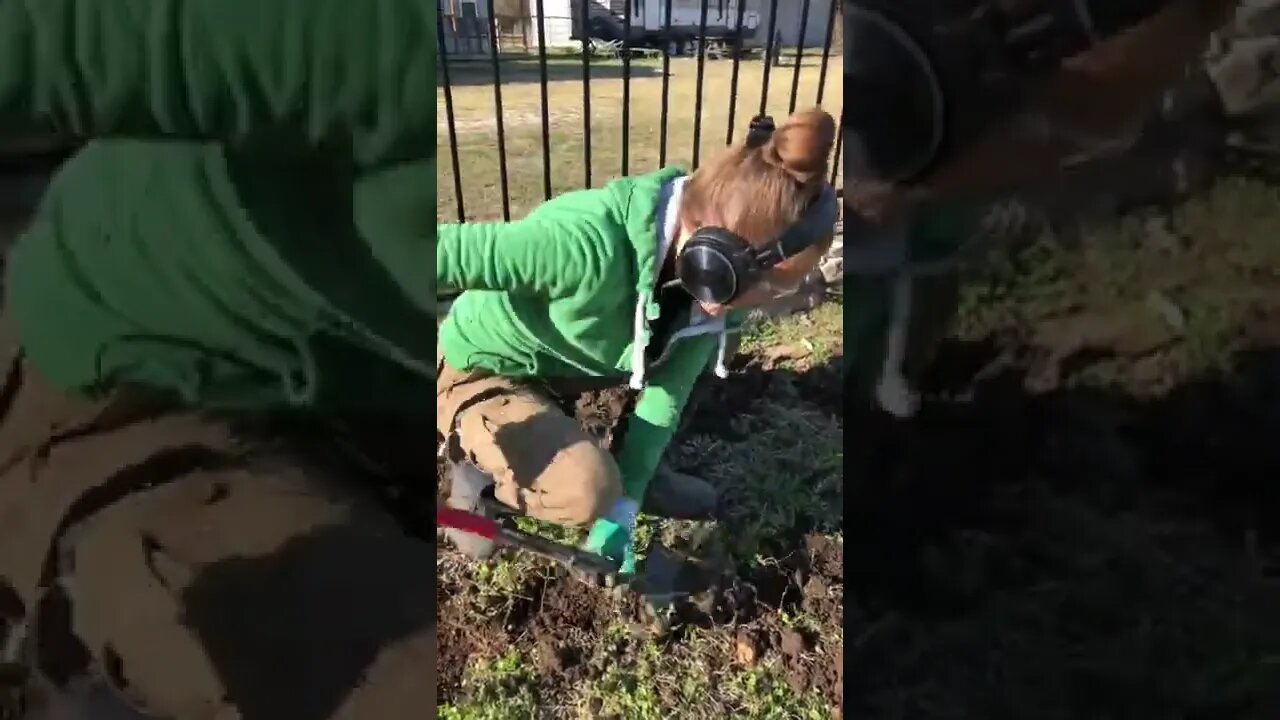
pixel 666 86
pixel 626 88
pixel 737 62
pixel 795 77
pixel 826 50
pixel 697 102
pixel 546 119
pixel 835 162
pixel 497 103
pixel 586 89
pixel 449 119
pixel 768 63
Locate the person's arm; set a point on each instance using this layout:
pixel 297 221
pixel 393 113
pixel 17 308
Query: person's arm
pixel 329 73
pixel 657 414
pixel 649 431
pixel 556 251
pixel 394 211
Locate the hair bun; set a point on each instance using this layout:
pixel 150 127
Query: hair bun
pixel 801 146
pixel 760 130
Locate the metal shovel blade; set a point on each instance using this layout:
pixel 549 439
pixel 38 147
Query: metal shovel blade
pixel 669 576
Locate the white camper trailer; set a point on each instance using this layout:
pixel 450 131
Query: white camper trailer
pixel 649 24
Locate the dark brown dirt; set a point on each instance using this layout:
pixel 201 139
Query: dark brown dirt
pixel 1035 525
pixel 550 610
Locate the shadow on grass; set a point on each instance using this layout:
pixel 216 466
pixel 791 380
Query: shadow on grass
pixel 293 633
pixel 769 439
pixel 750 431
pixel 1079 549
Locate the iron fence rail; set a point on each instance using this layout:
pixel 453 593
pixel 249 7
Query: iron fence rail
pixel 585 51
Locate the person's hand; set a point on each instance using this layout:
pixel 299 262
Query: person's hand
pixel 613 541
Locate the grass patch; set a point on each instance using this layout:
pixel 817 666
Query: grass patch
pixel 497 581
pixel 781 475
pixel 820 333
pixel 1199 272
pixel 503 689
pixel 693 682
pixel 628 689
pixel 762 693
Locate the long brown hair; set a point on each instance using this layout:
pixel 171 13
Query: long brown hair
pixel 759 186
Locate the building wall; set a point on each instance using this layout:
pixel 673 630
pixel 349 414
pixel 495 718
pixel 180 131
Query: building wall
pixel 466 31
pixel 464 25
pixel 558 27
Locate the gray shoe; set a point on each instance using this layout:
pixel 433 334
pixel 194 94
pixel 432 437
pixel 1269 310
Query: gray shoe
pixel 678 496
pixel 832 264
pixel 467 487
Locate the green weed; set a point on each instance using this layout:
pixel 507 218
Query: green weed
pixel 501 690
pixel 760 693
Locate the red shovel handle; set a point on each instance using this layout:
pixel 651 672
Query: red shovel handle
pixel 467 522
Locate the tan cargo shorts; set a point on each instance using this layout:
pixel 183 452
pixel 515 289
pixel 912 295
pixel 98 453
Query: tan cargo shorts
pixel 160 561
pixel 543 463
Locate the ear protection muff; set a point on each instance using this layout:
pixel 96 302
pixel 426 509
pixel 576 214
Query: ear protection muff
pixel 894 125
pixel 926 76
pixel 716 266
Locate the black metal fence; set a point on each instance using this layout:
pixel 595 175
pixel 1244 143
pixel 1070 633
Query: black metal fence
pixel 458 55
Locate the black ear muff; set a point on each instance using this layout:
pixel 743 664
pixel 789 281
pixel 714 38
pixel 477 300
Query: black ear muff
pixel 715 266
pixel 895 120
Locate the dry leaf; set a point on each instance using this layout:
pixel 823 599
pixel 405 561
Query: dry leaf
pixel 745 650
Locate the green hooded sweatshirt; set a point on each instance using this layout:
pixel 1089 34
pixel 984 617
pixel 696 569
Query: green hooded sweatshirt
pixel 250 224
pixel 570 291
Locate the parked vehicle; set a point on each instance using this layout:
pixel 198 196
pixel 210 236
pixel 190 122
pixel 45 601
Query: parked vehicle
pixel 607 20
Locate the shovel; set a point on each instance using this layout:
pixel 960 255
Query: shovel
pixel 665 576
pixel 581 564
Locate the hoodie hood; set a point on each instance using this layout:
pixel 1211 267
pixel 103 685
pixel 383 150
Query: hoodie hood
pixel 666 227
